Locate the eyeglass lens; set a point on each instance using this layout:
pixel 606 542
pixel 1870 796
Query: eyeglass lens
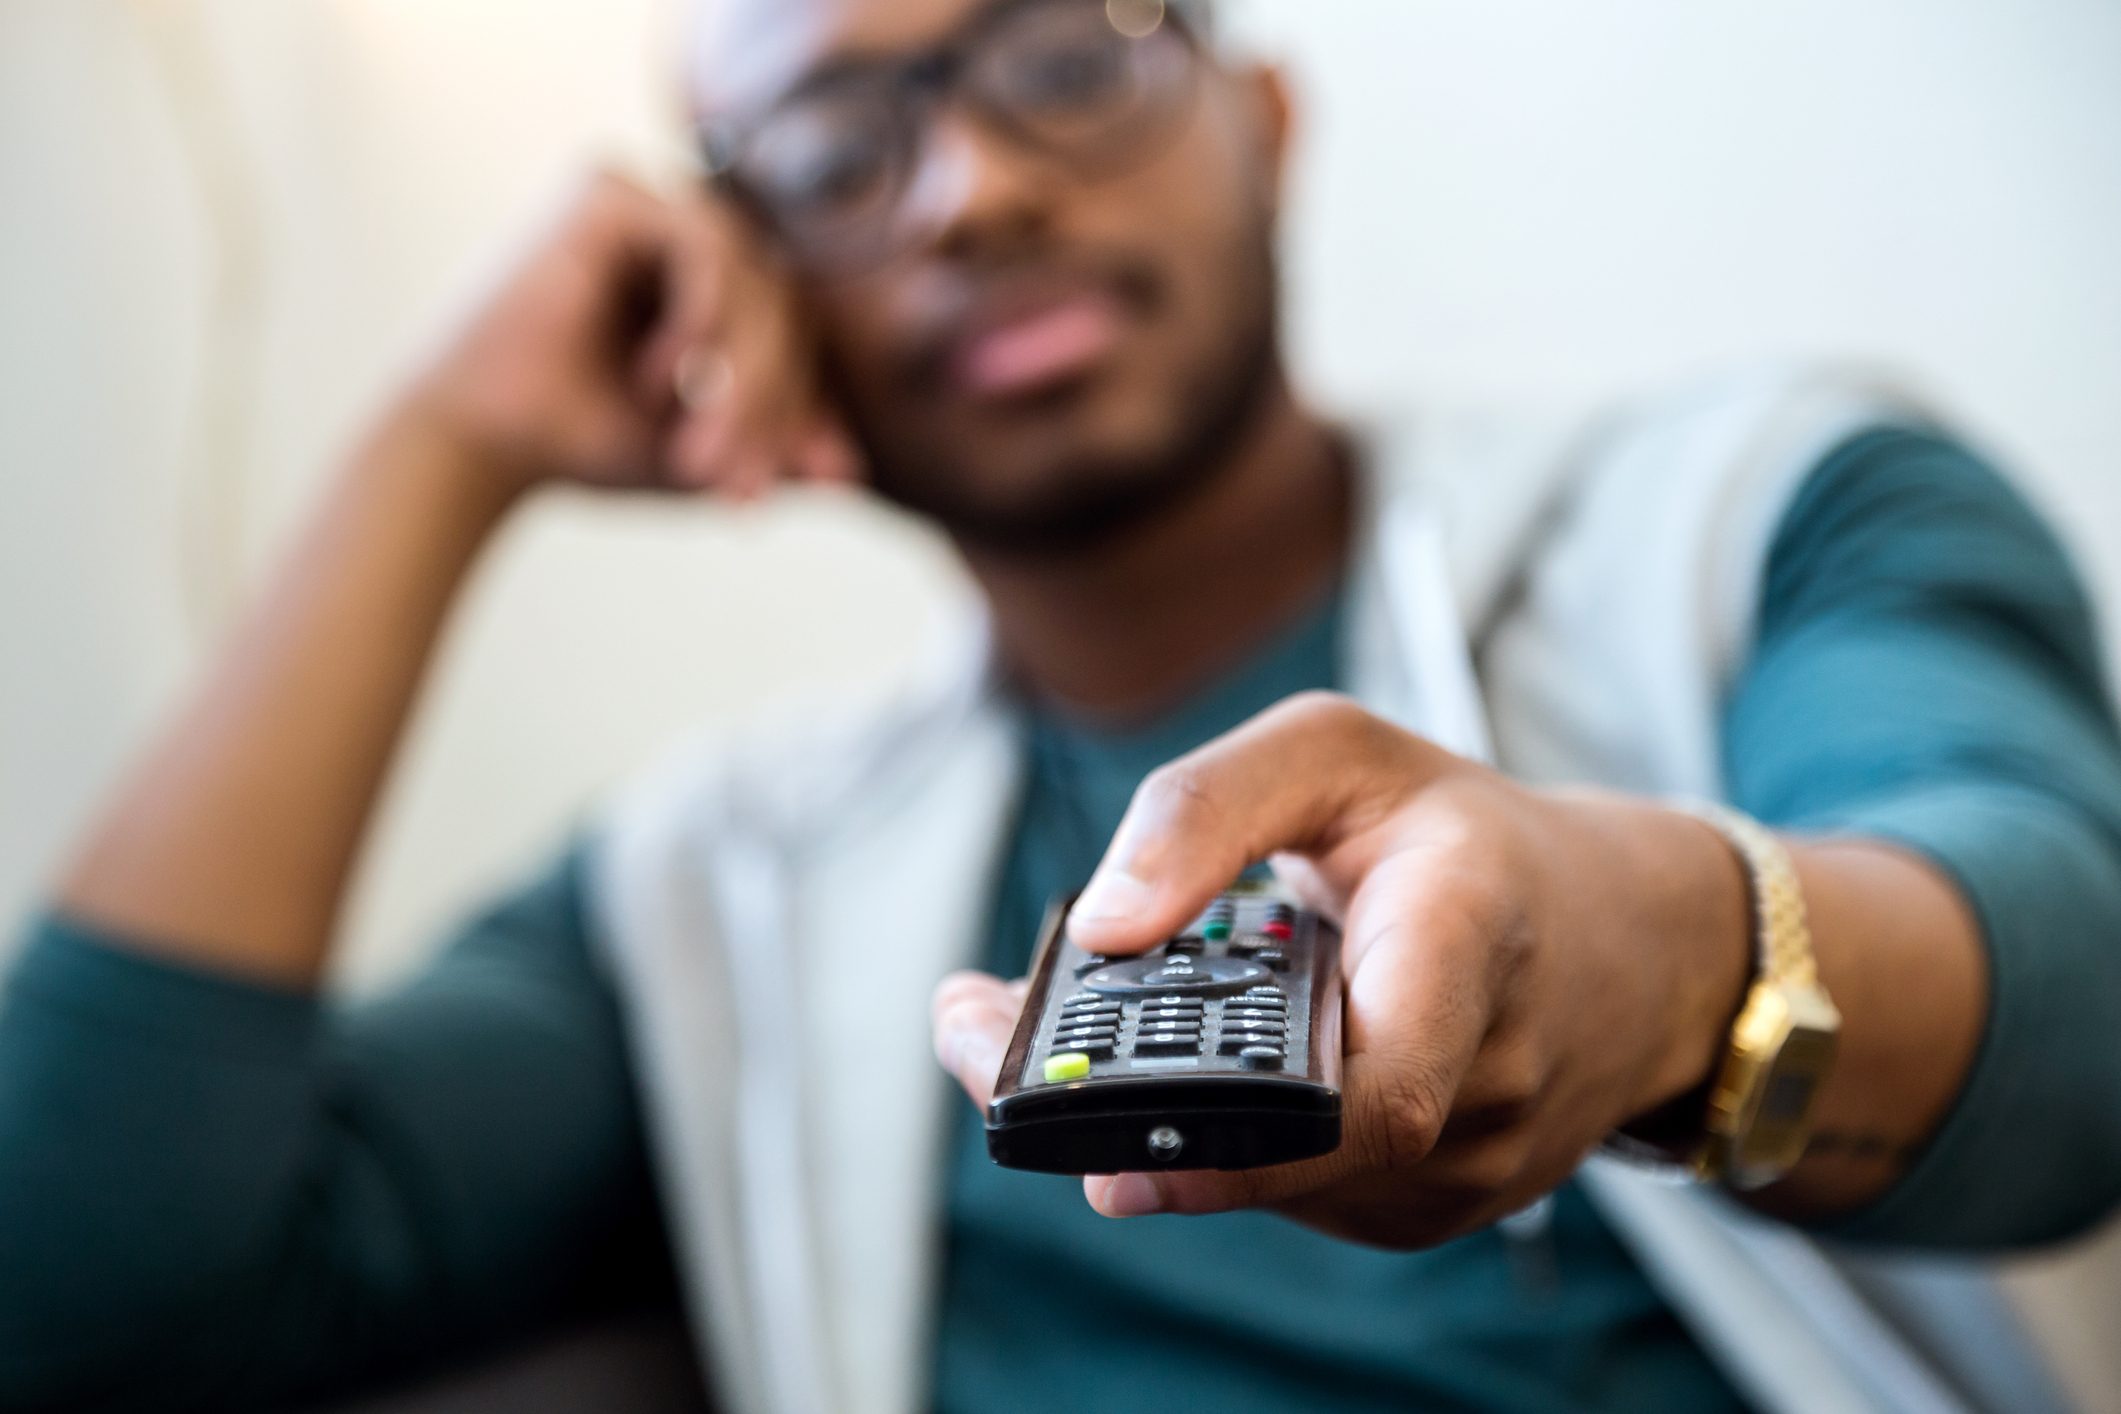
pixel 832 165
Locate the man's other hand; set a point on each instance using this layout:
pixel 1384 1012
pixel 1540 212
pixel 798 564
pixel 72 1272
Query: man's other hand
pixel 1525 970
pixel 641 342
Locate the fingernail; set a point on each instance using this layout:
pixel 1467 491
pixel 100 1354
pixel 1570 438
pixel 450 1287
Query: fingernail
pixel 1133 1195
pixel 1111 894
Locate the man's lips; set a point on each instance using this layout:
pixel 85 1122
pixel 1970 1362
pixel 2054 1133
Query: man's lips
pixel 1038 347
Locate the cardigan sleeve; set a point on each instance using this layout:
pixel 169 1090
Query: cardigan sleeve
pixel 214 1194
pixel 1927 671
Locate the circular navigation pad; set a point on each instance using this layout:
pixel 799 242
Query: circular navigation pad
pixel 1176 973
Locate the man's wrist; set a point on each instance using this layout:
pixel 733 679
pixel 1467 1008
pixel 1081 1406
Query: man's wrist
pixel 1722 943
pixel 1694 917
pixel 418 439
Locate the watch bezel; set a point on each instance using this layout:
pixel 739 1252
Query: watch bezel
pixel 1760 1107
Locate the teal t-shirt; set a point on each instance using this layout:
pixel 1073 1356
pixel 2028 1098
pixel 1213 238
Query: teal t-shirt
pixel 1048 1306
pixel 218 1196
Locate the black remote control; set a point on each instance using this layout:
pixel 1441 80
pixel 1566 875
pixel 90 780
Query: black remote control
pixel 1218 1050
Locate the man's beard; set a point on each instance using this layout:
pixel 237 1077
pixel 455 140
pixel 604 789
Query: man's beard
pixel 1097 500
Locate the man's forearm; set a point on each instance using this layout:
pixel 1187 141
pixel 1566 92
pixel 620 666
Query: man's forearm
pixel 1898 950
pixel 1901 954
pixel 232 842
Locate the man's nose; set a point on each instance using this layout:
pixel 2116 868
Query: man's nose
pixel 974 188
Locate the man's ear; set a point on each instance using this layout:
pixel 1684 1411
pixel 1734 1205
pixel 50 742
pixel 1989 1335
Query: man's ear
pixel 1273 103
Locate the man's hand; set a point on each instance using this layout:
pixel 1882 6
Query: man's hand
pixel 642 342
pixel 1525 971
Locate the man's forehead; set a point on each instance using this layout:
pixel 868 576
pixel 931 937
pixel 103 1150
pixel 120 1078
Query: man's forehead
pixel 741 53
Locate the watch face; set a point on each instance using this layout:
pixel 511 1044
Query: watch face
pixel 1775 1138
pixel 1787 1097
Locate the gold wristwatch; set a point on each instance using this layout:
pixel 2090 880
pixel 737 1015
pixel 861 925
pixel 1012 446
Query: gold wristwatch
pixel 1757 1116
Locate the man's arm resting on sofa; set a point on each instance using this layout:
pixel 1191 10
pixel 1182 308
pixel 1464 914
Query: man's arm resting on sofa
pixel 223 1194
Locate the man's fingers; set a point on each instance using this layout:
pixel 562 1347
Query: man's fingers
pixel 1417 1006
pixel 1133 1195
pixel 1301 776
pixel 1309 885
pixel 730 361
pixel 974 1015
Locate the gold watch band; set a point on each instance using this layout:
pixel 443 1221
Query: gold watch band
pixel 1782 931
pixel 1759 1107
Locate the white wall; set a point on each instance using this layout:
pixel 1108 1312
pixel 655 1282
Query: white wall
pixel 224 222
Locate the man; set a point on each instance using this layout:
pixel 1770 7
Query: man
pixel 1009 265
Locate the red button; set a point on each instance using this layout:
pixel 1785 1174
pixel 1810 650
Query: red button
pixel 1275 928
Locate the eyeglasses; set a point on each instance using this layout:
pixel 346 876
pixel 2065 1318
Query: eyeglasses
pixel 1096 84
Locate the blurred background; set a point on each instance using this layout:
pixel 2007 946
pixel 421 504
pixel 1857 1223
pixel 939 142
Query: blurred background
pixel 227 225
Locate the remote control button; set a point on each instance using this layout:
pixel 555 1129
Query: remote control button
pixel 1246 1020
pixel 1244 1041
pixel 1269 993
pixel 1091 963
pixel 1087 999
pixel 1272 957
pixel 1275 1003
pixel 1209 976
pixel 1068 1065
pixel 1153 1016
pixel 1260 1057
pixel 1103 1031
pixel 1100 1011
pixel 1279 929
pixel 1177 968
pixel 1247 1005
pixel 1183 943
pixel 1062 1035
pixel 1165 1045
pixel 1095 1050
pixel 1178 1000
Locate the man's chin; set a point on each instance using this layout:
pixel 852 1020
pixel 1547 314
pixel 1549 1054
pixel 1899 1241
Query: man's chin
pixel 1081 509
pixel 1085 464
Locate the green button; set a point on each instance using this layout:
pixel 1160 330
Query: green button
pixel 1215 932
pixel 1068 1065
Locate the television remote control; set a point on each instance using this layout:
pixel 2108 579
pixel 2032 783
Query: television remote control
pixel 1220 1049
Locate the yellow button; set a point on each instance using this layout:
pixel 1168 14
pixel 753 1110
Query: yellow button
pixel 1068 1065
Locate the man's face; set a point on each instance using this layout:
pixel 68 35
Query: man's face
pixel 1060 348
